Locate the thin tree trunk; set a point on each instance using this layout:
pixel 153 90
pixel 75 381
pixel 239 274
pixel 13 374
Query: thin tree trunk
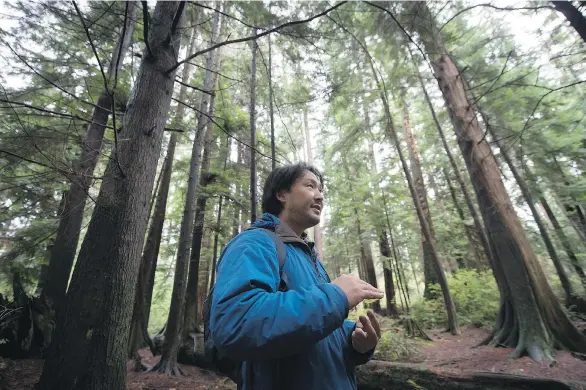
pixel 219 220
pixel 237 193
pixel 478 225
pixel 253 208
pixel 531 319
pixel 385 251
pixel 90 344
pixel 316 229
pixel 563 276
pixel 429 268
pixel 206 178
pixel 173 333
pixel 65 246
pixel 427 233
pixel 471 233
pixel 271 113
pixel 572 209
pixel 564 240
pixel 150 255
pixel 573 15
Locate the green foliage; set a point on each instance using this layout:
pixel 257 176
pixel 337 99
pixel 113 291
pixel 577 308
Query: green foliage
pixel 397 347
pixel 475 295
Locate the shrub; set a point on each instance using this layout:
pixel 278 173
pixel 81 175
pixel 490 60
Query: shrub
pixel 475 295
pixel 397 347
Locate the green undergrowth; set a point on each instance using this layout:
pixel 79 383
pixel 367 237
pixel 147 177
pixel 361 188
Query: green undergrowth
pixel 395 345
pixel 475 295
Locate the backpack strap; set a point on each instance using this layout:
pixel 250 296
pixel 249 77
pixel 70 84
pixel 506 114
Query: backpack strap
pixel 281 256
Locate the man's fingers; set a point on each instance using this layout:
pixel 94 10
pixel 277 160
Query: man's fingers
pixel 374 323
pixel 359 324
pixel 371 293
pixel 368 326
pixel 359 333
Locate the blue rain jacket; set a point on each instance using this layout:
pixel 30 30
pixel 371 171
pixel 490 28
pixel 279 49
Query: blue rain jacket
pixel 297 339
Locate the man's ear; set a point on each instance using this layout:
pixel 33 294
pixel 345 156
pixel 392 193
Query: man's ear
pixel 281 196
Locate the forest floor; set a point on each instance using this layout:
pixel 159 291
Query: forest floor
pixel 448 353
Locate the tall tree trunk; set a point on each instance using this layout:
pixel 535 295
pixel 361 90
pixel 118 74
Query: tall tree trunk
pixel 173 333
pixel 427 233
pixel 564 240
pixel 237 193
pixel 271 112
pixel 400 277
pixel 253 208
pixel 429 268
pixel 573 15
pixel 191 320
pixel 467 197
pixel 65 246
pixel 563 276
pixel 475 247
pixel 385 251
pixel 531 319
pixel 219 221
pixel 317 236
pixel 150 255
pixel 572 209
pixel 90 344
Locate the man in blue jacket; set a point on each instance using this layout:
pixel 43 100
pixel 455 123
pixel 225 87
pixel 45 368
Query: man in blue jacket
pixel 298 338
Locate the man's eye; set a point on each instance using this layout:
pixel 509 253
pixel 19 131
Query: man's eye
pixel 310 185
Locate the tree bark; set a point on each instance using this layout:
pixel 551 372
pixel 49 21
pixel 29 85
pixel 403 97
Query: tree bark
pixel 150 255
pixel 65 246
pixel 219 221
pixel 563 276
pixel 253 208
pixel 173 331
pixel 90 344
pixel 475 248
pixel 317 236
pixel 271 111
pixel 191 321
pixel 531 319
pixel 429 267
pixel 467 197
pixel 564 240
pixel 385 251
pixel 237 193
pixel 573 15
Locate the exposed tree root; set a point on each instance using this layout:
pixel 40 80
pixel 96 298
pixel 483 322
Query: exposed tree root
pixel 168 367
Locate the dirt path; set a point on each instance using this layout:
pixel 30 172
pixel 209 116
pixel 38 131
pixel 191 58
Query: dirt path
pixel 458 354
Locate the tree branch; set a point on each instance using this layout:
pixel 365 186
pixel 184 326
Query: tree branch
pixel 223 13
pixel 254 37
pixel 87 32
pixel 145 21
pixel 541 99
pixel 222 128
pixel 211 93
pixel 402 29
pixel 47 80
pixel 120 47
pixel 177 17
pixel 495 7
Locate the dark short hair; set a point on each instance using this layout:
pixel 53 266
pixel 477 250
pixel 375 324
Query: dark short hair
pixel 283 178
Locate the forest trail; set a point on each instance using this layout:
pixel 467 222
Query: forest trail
pixel 447 354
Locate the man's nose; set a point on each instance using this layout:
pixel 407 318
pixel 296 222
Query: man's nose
pixel 319 196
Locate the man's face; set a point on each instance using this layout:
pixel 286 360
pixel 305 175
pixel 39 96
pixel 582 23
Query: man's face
pixel 304 203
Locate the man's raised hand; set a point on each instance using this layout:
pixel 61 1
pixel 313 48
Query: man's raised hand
pixel 366 334
pixel 357 290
